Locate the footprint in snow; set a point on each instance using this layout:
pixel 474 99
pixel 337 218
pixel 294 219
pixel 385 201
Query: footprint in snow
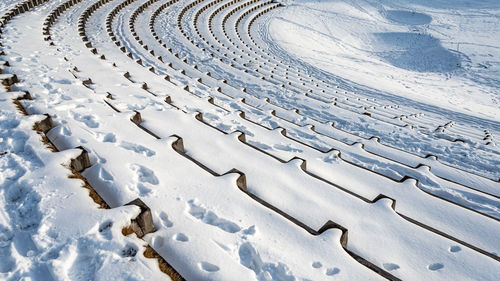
pixel 206 266
pixel 88 120
pixel 105 226
pixel 317 264
pixel 7 263
pixel 332 271
pixel 144 190
pixel 250 231
pixel 137 148
pixel 390 266
pixel 129 251
pixel 109 137
pixel 181 237
pixel 61 81
pixel 211 218
pixel 144 174
pixel 105 175
pixel 455 249
pixel 105 230
pixel 164 220
pixel 435 266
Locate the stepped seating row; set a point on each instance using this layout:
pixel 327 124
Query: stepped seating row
pixel 421 154
pixel 399 178
pixel 456 140
pixel 465 132
pixel 64 142
pixel 249 33
pixel 238 35
pixel 201 154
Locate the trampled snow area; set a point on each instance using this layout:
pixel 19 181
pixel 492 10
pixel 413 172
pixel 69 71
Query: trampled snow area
pixel 269 140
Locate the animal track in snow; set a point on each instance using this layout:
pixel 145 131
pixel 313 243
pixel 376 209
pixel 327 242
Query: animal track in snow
pixel 129 251
pixel 144 190
pixel 105 230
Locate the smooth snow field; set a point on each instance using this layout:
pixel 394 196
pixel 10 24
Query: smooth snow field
pixel 265 140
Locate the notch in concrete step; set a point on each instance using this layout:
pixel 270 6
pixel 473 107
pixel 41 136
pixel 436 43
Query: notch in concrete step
pixel 87 82
pixel 136 118
pixel 44 125
pixel 168 99
pixel 81 162
pixel 241 181
pixel 8 79
pixel 329 225
pixel 143 223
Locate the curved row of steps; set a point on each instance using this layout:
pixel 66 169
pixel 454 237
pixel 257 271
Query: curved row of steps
pixel 158 105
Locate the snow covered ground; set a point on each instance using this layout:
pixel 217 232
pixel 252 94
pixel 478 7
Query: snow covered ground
pixel 293 140
pixel 425 51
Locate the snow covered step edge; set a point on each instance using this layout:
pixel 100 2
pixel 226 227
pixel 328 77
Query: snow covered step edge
pixel 301 163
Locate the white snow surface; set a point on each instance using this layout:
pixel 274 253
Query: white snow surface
pixel 365 130
pixel 438 53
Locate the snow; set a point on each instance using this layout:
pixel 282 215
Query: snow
pixel 39 204
pixel 311 140
pixel 438 54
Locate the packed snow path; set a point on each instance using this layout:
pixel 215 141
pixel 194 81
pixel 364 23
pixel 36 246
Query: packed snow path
pixel 256 164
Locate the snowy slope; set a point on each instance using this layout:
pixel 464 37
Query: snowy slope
pixel 438 54
pixel 301 140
